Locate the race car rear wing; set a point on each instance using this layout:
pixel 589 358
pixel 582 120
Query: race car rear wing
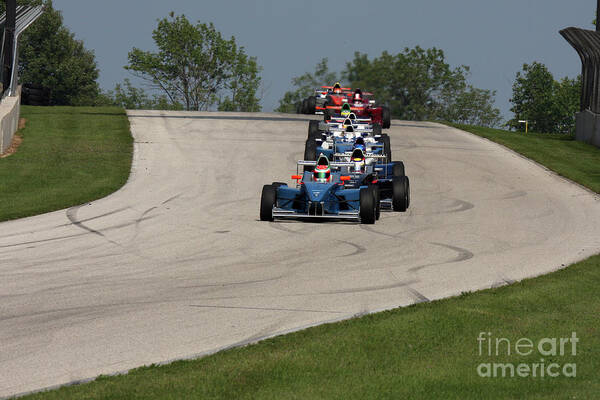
pixel 368 155
pixel 331 163
pixel 331 87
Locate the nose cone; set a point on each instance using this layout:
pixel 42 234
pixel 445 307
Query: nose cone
pixel 316 192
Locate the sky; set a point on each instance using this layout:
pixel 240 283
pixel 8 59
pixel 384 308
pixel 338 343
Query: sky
pixel 288 37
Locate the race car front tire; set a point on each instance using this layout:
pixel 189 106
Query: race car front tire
pixel 313 129
pixel 400 193
pixel 311 105
pixel 367 206
pixel 398 168
pixel 376 129
pixel 387 147
pixel 268 199
pixel 385 117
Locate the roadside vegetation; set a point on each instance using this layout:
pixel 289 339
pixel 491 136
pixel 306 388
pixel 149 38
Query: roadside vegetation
pixel 416 84
pixel 68 156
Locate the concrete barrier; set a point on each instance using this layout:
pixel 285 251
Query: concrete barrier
pixel 587 128
pixel 10 109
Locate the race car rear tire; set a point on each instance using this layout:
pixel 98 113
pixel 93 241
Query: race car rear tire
pixel 310 153
pixel 400 193
pixel 398 168
pixel 367 206
pixel 377 202
pixel 387 147
pixel 311 104
pixel 268 199
pixel 376 129
pixel 385 117
pixel 304 106
pixel 313 129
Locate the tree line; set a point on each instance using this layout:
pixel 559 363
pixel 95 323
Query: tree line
pixel 195 68
pixel 416 84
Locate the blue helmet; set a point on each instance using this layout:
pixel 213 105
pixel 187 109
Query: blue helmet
pixel 360 144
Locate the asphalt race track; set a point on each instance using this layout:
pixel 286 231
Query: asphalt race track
pixel 177 264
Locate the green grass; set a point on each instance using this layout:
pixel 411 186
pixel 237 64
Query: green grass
pixel 426 351
pixel 575 160
pixel 69 156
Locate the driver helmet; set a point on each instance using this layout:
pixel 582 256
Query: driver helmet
pixel 349 131
pixel 347 123
pixel 346 110
pixel 358 159
pixel 337 88
pixel 322 174
pixel 358 98
pixel 360 144
pixel 352 116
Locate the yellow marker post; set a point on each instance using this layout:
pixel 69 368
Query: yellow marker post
pixel 526 124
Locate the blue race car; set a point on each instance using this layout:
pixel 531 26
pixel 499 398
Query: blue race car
pixel 321 193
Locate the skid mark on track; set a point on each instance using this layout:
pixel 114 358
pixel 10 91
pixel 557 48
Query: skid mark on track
pixel 266 309
pixel 463 255
pixel 513 195
pixel 358 249
pixel 72 216
pixel 418 296
pixel 170 199
pixel 456 206
pixel 372 288
pixel 240 283
pixel 376 232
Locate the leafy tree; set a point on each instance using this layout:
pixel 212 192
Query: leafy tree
pixel 418 84
pixel 305 85
pixel 549 106
pixel 129 97
pixel 50 57
pixel 242 86
pixel 196 66
pixel 567 101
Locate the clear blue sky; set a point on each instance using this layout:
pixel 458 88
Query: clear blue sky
pixel 493 37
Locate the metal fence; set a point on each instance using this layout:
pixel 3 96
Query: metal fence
pixel 587 44
pixel 9 54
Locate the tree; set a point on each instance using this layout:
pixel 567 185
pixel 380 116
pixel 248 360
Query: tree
pixel 548 106
pixel 567 101
pixel 131 98
pixel 51 58
pixel 305 86
pixel 242 86
pixel 197 67
pixel 418 84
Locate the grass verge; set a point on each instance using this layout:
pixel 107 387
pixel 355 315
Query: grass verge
pixel 69 156
pixel 575 160
pixel 426 351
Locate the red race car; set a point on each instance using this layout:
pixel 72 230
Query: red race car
pixel 359 104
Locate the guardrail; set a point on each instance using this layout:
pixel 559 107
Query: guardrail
pixel 10 108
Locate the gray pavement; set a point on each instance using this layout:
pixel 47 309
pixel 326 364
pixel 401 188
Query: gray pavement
pixel 177 264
